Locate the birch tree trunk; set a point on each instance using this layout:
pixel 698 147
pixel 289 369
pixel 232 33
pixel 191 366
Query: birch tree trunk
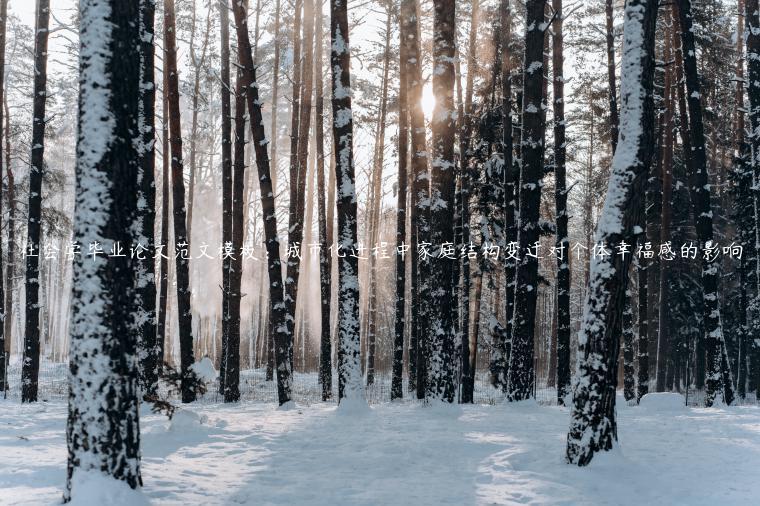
pixel 593 426
pixel 4 309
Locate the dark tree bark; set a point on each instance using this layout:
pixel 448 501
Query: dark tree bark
pixel 718 375
pixel 418 217
pixel 163 297
pixel 276 294
pixel 10 266
pixel 642 342
pixel 325 259
pixel 226 90
pixel 397 390
pixel 103 432
pixel 180 213
pixel 560 197
pixel 611 78
pixel 297 180
pixel 593 426
pixel 146 277
pixel 3 310
pixel 350 386
pixel 442 335
pixel 521 373
pixel 31 365
pixel 629 384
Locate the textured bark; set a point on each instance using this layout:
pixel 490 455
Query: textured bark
pixel 374 228
pixel 163 297
pixel 752 20
pixel 593 427
pixel 31 365
pixel 397 391
pixel 325 259
pixel 350 386
pixel 146 277
pixel 4 308
pixel 560 197
pixel 418 217
pixel 276 294
pixel 521 373
pixel 441 384
pixel 642 343
pixel 10 266
pixel 611 78
pixel 178 201
pixel 629 383
pixel 663 342
pixel 103 433
pixel 718 376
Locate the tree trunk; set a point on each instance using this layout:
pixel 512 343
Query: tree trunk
pixel 718 376
pixel 31 366
pixel 521 373
pixel 593 427
pixel 350 386
pixel 560 197
pixel 6 306
pixel 276 294
pixel 146 275
pixel 397 391
pixel 629 383
pixel 178 201
pixel 103 432
pixel 409 30
pixel 611 79
pixel 375 223
pixel 163 297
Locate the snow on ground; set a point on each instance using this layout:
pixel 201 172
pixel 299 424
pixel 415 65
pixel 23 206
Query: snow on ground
pixel 254 453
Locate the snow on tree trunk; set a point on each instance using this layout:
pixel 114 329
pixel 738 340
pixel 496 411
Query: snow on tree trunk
pixel 276 293
pixel 226 120
pixel 718 377
pixel 31 365
pixel 397 391
pixel 593 427
pixel 560 197
pixel 521 373
pixel 149 353
pixel 182 258
pixel 442 335
pixel 350 386
pixel 629 383
pixel 3 309
pixel 103 433
pixel 325 259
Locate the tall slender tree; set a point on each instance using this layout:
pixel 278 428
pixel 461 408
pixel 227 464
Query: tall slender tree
pixel 441 384
pixel 560 197
pixel 31 366
pixel 103 432
pixel 182 261
pixel 719 380
pixel 350 386
pixel 593 427
pixel 521 373
pixel 4 309
pixel 146 151
pixel 274 269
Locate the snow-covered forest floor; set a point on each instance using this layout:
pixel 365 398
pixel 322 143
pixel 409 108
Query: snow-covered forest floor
pixel 254 453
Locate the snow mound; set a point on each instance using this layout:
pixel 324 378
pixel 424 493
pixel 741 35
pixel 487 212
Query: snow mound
pixel 663 401
pixel 204 369
pixel 184 419
pixel 93 487
pixel 353 407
